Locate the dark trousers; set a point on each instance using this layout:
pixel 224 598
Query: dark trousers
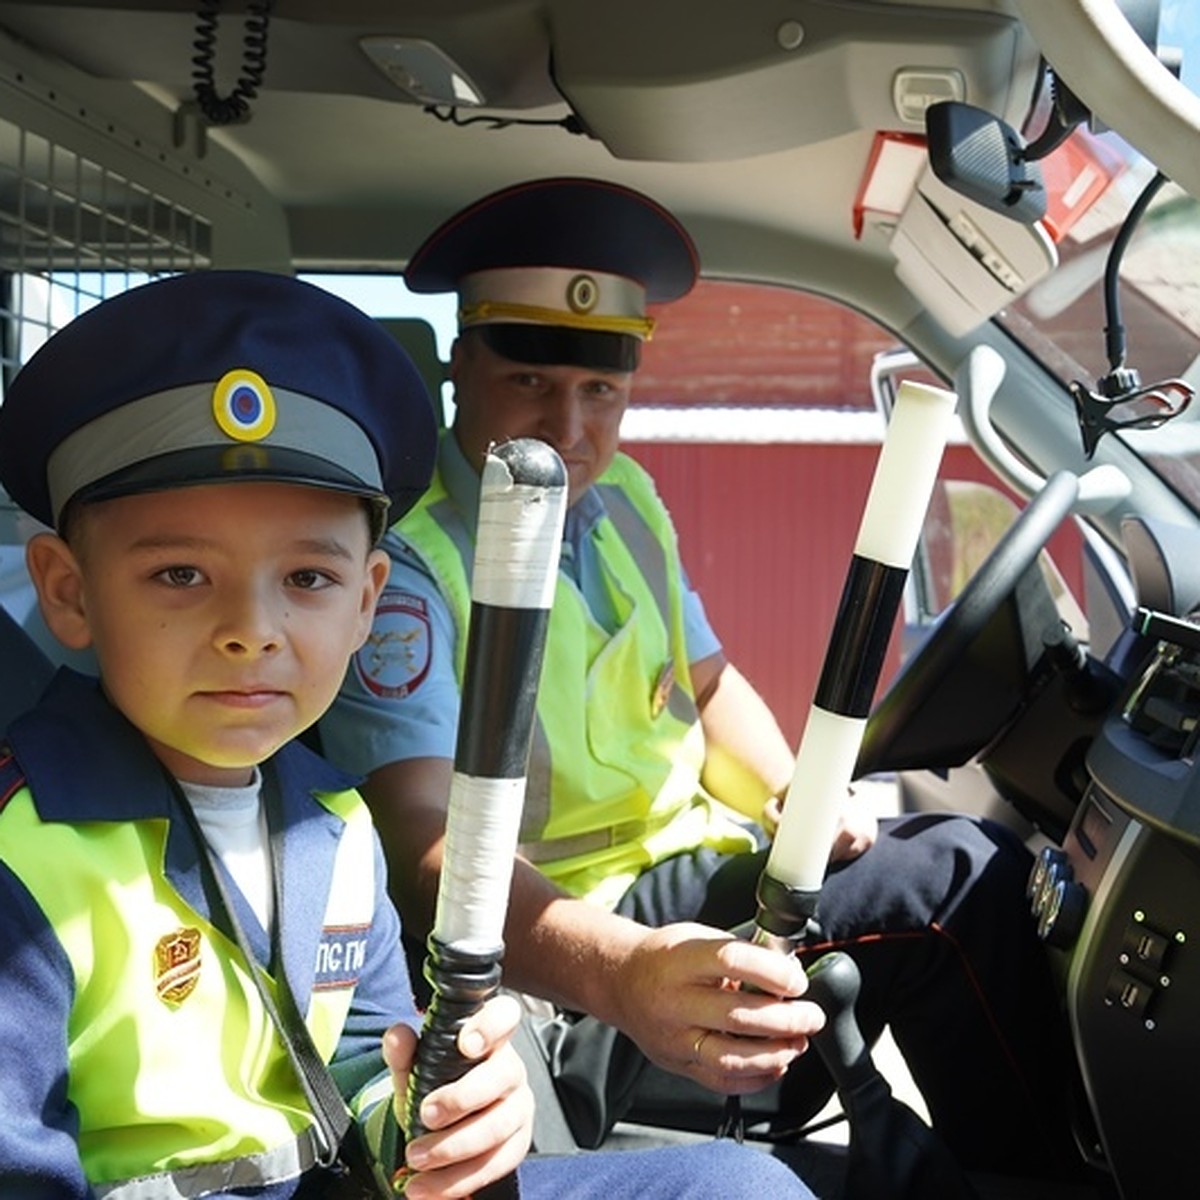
pixel 694 1172
pixel 935 916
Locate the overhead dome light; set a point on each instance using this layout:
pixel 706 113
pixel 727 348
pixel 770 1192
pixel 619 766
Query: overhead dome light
pixel 423 70
pixel 914 89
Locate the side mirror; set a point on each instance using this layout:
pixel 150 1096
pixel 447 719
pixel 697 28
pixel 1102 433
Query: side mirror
pixel 983 158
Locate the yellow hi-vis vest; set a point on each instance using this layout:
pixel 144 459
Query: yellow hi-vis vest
pixel 614 776
pixel 135 946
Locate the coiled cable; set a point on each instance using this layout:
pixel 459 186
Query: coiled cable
pixel 226 110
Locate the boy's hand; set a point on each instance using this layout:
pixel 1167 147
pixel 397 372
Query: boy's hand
pixel 480 1125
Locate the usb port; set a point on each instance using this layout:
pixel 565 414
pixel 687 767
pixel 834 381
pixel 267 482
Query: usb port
pixel 1128 992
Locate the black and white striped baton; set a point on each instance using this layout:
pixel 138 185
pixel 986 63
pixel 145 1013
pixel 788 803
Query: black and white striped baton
pixel 790 885
pixel 522 506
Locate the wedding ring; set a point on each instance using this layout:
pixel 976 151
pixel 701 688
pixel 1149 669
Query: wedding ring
pixel 698 1043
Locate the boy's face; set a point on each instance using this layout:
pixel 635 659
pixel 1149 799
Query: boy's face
pixel 222 616
pixel 577 410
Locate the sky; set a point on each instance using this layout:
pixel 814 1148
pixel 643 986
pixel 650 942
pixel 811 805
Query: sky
pixel 1179 26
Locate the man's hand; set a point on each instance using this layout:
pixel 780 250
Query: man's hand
pixel 705 1004
pixel 856 831
pixel 480 1125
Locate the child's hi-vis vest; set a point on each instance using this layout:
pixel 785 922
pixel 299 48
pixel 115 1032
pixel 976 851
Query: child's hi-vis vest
pixel 161 1114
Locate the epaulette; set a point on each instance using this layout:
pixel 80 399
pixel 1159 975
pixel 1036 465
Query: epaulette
pixel 12 778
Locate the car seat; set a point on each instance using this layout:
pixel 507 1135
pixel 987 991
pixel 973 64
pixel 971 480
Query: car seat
pixel 24 670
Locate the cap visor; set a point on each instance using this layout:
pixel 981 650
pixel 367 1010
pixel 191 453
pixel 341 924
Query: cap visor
pixel 552 345
pixel 248 462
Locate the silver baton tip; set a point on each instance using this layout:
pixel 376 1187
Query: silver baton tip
pixel 531 462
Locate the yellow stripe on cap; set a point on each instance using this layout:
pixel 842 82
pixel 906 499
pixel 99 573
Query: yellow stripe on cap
pixel 489 313
pixel 591 300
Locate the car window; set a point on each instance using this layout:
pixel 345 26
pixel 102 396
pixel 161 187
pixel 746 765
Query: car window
pixel 970 510
pixel 1094 180
pixel 966 519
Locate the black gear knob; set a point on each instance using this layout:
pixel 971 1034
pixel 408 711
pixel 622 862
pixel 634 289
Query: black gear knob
pixel 833 984
pixel 893 1154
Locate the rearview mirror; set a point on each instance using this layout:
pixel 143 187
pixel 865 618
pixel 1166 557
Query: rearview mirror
pixel 981 157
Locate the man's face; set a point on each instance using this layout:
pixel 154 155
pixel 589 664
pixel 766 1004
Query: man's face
pixel 577 410
pixel 222 616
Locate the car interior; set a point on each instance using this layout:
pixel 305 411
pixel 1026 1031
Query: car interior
pixel 1006 189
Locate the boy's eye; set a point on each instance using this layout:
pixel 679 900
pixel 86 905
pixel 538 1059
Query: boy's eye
pixel 180 577
pixel 309 580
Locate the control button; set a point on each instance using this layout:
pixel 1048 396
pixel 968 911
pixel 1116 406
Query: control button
pixel 1045 856
pixel 1062 917
pixel 1143 946
pixel 1128 992
pixel 1051 867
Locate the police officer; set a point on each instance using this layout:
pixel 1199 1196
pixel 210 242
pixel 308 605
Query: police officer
pixel 649 742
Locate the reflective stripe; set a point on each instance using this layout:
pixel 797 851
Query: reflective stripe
pixel 647 550
pixel 254 1170
pixel 599 839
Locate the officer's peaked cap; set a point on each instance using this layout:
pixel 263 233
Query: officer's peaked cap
pixel 212 377
pixel 559 270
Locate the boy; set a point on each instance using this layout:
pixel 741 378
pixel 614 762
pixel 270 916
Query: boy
pixel 218 454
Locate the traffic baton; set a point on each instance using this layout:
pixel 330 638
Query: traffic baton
pixel 790 884
pixel 523 500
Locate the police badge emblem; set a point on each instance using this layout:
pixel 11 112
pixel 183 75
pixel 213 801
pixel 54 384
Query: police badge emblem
pixel 177 966
pixel 395 657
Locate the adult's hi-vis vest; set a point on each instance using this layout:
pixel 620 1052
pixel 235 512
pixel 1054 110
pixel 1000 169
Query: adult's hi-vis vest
pixel 614 774
pixel 179 1078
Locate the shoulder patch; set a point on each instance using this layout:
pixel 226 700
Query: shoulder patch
pixel 341 956
pixel 394 660
pixel 12 778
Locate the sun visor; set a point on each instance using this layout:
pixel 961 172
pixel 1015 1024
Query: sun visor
pixel 965 262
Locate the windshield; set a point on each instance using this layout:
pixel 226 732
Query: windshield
pixel 1094 180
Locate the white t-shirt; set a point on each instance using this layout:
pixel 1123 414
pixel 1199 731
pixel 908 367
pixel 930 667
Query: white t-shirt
pixel 234 822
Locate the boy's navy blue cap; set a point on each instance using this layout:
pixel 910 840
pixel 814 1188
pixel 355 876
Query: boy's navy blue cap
pixel 559 270
pixel 213 377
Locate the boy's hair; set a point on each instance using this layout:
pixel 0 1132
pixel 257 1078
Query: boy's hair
pixel 217 376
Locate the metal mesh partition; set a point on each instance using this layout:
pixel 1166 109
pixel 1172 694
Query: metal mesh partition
pixel 73 232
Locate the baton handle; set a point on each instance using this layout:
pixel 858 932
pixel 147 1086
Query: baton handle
pixel 462 984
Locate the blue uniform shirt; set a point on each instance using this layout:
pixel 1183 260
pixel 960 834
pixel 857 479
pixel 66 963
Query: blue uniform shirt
pixel 416 715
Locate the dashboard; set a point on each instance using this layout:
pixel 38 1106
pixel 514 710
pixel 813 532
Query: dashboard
pixel 1118 904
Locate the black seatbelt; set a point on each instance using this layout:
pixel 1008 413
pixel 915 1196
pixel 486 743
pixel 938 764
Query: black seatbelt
pixel 342 1151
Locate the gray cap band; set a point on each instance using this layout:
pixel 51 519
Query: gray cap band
pixel 182 419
